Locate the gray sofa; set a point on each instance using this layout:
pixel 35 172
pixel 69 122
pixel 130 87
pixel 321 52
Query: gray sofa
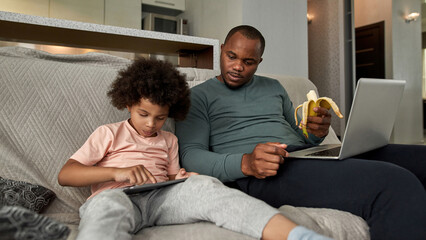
pixel 49 104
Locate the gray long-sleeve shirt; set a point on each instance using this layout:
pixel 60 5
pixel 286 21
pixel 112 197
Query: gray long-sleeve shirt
pixel 224 123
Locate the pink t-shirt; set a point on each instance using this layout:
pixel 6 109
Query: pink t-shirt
pixel 119 145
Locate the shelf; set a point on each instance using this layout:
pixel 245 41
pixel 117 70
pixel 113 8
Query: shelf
pixel 193 51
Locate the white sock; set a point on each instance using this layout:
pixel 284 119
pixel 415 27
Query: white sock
pixel 302 233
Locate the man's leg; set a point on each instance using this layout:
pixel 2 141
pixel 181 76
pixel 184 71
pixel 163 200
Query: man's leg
pixel 391 199
pixel 411 157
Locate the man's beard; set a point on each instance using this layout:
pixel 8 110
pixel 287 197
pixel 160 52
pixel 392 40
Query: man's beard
pixel 229 86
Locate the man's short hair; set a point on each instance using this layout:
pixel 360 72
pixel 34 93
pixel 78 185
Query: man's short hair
pixel 248 32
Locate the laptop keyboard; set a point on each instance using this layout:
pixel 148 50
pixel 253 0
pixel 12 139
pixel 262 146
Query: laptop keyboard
pixel 327 153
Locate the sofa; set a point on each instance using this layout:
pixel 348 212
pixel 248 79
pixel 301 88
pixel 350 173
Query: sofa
pixel 50 104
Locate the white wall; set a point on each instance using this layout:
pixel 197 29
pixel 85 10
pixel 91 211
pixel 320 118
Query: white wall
pixel 407 65
pixel 212 19
pixel 282 22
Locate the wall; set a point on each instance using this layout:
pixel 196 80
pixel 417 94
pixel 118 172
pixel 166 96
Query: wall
pixel 423 16
pixel 284 26
pixel 212 19
pixel 407 65
pixel 282 22
pixel 325 56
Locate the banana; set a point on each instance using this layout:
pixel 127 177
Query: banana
pixel 308 108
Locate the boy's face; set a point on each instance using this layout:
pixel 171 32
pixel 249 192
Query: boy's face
pixel 147 118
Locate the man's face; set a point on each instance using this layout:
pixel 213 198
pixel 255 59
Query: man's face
pixel 239 59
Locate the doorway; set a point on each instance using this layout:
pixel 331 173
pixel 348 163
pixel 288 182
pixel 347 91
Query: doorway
pixel 369 50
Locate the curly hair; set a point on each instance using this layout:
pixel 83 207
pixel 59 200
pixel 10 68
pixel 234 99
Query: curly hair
pixel 155 80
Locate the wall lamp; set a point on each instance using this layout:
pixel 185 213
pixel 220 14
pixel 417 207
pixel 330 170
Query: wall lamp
pixel 412 17
pixel 309 17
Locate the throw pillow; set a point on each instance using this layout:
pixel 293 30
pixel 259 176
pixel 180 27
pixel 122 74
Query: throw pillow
pixel 20 223
pixel 27 195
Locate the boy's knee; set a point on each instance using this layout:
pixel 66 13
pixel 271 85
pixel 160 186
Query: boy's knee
pixel 204 180
pixel 108 200
pixel 115 195
pixel 201 184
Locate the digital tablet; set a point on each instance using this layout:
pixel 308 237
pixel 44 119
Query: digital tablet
pixel 150 186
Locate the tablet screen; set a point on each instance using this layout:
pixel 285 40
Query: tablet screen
pixel 150 186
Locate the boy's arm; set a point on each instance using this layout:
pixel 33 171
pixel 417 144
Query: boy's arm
pixel 75 174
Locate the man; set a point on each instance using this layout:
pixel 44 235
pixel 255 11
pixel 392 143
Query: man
pixel 240 129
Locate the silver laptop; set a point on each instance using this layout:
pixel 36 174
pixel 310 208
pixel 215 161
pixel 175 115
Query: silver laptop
pixel 370 121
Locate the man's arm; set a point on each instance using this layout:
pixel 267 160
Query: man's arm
pixel 194 134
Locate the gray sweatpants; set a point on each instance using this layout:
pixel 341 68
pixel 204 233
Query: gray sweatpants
pixel 113 215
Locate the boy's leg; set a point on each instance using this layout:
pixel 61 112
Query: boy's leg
pixel 108 215
pixel 280 227
pixel 203 198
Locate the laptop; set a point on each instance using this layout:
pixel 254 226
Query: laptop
pixel 370 122
pixel 150 186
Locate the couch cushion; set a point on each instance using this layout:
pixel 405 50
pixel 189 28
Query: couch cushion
pixel 20 224
pixel 19 193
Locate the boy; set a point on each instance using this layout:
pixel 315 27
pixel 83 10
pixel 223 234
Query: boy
pixel 136 151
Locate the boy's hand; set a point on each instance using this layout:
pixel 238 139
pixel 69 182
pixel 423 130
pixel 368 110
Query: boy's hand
pixel 184 174
pixel 136 175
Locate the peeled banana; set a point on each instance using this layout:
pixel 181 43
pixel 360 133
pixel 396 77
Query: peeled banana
pixel 308 108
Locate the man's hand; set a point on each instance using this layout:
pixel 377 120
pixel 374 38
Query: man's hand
pixel 264 161
pixel 136 175
pixel 320 124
